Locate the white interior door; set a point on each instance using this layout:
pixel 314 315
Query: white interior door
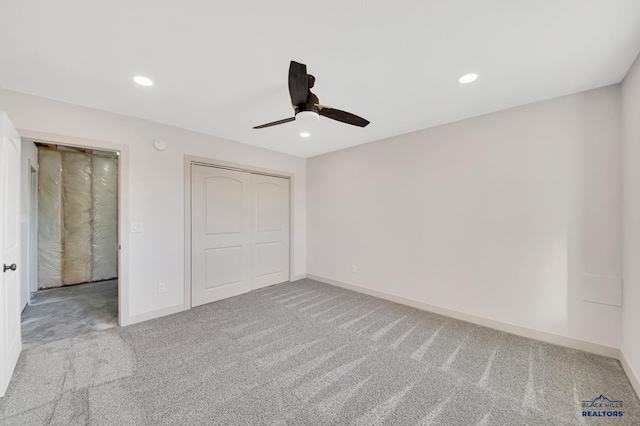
pixel 10 336
pixel 220 234
pixel 269 230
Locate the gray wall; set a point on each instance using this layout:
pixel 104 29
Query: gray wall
pixel 631 155
pixel 152 184
pixel 498 216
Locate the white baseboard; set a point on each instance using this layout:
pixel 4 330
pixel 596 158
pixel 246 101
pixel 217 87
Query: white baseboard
pixel 134 319
pixel 631 374
pixel 519 330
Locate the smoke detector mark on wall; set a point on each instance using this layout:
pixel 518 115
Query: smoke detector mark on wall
pixel 160 145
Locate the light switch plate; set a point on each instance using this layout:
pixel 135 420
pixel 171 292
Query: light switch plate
pixel 136 226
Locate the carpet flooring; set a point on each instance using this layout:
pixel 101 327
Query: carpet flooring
pixel 68 311
pixel 306 353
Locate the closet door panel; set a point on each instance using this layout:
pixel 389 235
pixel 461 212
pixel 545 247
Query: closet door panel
pixel 269 230
pixel 220 234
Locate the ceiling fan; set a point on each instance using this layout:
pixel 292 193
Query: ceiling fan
pixel 306 105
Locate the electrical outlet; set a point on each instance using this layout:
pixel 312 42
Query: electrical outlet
pixel 354 269
pixel 162 287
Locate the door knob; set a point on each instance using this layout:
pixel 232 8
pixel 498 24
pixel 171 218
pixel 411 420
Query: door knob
pixel 13 267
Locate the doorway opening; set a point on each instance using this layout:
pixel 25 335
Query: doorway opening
pixel 71 219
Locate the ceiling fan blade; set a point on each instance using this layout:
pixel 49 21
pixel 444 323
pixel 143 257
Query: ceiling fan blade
pixel 298 83
pixel 345 117
pixel 275 123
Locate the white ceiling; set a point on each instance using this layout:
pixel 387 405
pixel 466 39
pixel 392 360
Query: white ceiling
pixel 220 67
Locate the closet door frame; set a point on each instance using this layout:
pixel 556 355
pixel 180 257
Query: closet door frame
pixel 190 160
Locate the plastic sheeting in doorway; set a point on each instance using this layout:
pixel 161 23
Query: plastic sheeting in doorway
pixel 77 218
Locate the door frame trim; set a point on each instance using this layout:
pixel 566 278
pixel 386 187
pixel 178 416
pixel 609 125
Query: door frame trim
pixel 220 164
pixel 124 318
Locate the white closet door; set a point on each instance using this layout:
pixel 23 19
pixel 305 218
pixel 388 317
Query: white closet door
pixel 270 230
pixel 220 234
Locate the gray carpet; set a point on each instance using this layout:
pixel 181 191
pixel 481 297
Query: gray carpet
pixel 68 311
pixel 307 353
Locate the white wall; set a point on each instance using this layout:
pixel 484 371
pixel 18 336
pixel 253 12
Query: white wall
pixel 631 206
pixel 156 186
pixel 496 216
pixel 29 158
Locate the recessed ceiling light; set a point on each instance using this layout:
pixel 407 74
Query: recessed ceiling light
pixel 468 78
pixel 305 134
pixel 143 81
